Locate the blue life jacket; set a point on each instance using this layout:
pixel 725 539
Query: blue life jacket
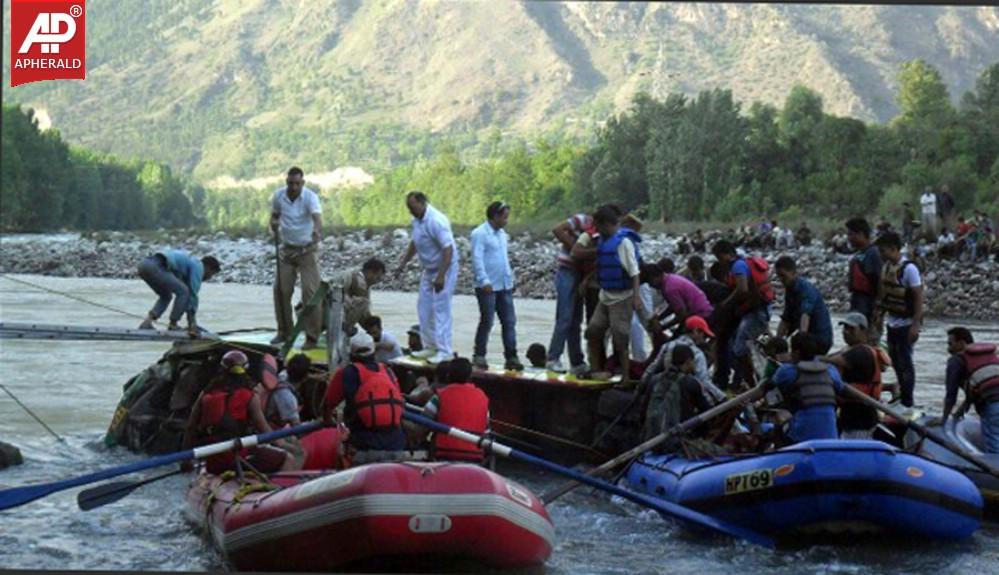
pixel 610 272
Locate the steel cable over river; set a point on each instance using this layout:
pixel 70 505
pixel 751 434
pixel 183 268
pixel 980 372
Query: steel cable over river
pixel 75 386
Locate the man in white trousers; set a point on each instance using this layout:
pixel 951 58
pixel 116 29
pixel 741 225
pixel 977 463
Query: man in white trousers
pixel 433 242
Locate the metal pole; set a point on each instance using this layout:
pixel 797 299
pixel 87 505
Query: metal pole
pixel 334 326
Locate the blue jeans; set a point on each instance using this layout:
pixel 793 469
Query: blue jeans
pixel 166 285
pixel 990 426
pixel 568 317
pixel 490 305
pixel 754 323
pixel 900 351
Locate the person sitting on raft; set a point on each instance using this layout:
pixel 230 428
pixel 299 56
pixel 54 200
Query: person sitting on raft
pixel 373 404
pixel 809 388
pixel 675 396
pixel 227 409
pixel 974 367
pixel 462 405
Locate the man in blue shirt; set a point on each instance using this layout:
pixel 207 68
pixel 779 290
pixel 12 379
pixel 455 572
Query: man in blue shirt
pixel 494 286
pixel 175 273
pixel 804 308
pixel 809 388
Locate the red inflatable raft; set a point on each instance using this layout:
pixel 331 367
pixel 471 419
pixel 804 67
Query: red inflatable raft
pixel 407 513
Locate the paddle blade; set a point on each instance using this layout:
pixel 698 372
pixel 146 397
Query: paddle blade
pixel 21 495
pixel 104 494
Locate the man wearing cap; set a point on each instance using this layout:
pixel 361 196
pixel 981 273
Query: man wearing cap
pixel 373 404
pixel 804 309
pixel 433 242
pixel 695 337
pixel 494 286
pixel 297 223
pixel 861 365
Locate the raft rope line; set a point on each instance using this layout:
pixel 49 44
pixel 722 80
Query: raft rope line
pixel 71 296
pixel 554 438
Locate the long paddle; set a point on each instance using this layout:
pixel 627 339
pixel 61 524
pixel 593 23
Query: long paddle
pixel 16 496
pixel 110 492
pixel 920 429
pixel 678 429
pixel 665 507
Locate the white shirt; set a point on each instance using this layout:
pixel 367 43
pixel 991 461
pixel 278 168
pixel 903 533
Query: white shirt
pixel 381 354
pixel 490 261
pixel 431 234
pixel 295 217
pixel 928 201
pixel 910 279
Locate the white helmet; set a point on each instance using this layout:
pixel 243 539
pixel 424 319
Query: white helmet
pixel 362 344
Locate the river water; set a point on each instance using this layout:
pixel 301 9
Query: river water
pixel 75 386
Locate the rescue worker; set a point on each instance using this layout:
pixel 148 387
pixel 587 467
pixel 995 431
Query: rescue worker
pixel 568 296
pixel 804 309
pixel 618 261
pixel 308 388
pixel 462 405
pixel 902 303
pixel 357 284
pixel 433 243
pixel 675 396
pixel 749 302
pixel 228 408
pixel 683 296
pixel 864 276
pixel 695 337
pixel 373 404
pixel 809 388
pixel 974 367
pixel 173 274
pixel 861 365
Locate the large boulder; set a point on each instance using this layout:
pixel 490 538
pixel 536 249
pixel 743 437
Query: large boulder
pixel 9 455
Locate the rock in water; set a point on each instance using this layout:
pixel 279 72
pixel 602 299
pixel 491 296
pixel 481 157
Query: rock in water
pixel 9 455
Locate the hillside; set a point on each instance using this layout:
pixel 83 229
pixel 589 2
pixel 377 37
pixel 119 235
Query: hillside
pixel 246 87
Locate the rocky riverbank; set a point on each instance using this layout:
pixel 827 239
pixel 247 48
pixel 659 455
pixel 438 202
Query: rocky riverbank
pixel 954 289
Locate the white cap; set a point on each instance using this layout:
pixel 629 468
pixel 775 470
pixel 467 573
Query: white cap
pixel 362 344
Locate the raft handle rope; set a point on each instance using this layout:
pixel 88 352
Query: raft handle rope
pixel 554 438
pixel 32 414
pixel 71 296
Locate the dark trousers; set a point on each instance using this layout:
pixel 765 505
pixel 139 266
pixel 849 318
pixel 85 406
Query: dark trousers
pixel 496 303
pixel 900 351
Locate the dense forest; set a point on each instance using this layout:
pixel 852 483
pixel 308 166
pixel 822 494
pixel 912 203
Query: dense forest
pixel 679 159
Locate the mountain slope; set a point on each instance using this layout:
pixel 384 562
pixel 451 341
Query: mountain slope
pixel 246 87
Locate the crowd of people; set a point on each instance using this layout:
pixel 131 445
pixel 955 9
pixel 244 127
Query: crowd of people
pixel 705 323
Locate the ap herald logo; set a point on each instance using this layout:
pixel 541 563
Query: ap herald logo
pixel 47 40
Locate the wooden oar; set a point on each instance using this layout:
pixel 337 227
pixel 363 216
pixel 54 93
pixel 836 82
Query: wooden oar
pixel 678 429
pixel 16 496
pixel 921 429
pixel 110 492
pixel 665 507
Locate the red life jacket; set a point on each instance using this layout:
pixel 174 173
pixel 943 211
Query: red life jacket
pixel 466 407
pixel 983 370
pixel 761 291
pixel 377 403
pixel 858 281
pixel 224 415
pixel 871 388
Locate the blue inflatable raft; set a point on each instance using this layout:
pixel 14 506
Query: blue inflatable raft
pixel 828 486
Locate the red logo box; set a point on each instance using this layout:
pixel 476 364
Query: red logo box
pixel 48 40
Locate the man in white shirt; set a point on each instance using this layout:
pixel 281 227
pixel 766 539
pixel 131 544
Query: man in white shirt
pixel 433 242
pixel 494 286
pixel 929 214
pixel 386 345
pixel 297 224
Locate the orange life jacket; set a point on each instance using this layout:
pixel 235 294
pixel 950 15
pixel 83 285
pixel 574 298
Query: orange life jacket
pixel 859 282
pixel 466 407
pixel 983 371
pixel 871 388
pixel 224 415
pixel 760 288
pixel 377 404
